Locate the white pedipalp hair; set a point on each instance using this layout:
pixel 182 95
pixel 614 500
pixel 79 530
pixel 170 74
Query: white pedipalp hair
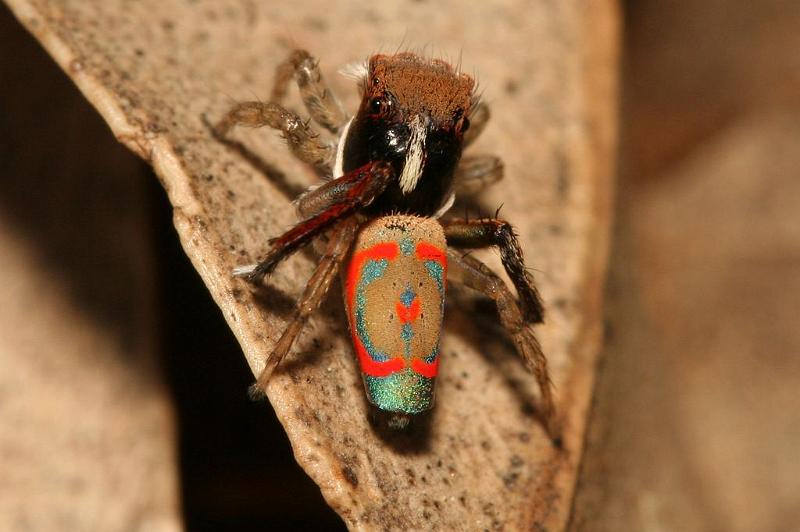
pixel 415 156
pixel 356 71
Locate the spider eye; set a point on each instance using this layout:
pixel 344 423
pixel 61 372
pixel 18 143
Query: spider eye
pixel 461 122
pixel 379 104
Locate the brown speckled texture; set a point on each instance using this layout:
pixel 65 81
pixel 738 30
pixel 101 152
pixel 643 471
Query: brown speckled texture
pixel 442 92
pixel 154 68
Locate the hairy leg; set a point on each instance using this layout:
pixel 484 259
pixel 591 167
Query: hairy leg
pixel 344 196
pixel 318 285
pixel 478 119
pixel 302 139
pixel 484 233
pixel 476 275
pixel 476 172
pixel 320 101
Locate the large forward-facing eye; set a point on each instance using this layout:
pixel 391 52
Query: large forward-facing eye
pixel 380 105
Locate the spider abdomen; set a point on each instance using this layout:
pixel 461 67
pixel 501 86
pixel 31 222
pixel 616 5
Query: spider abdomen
pixel 394 294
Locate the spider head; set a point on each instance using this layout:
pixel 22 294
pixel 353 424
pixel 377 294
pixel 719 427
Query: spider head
pixel 414 112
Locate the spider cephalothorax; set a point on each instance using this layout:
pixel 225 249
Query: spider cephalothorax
pixel 395 170
pixel 413 114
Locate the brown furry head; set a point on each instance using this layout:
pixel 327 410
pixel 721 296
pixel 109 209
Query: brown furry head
pixel 420 85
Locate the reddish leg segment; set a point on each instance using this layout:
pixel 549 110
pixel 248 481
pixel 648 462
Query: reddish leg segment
pixel 319 284
pixel 344 196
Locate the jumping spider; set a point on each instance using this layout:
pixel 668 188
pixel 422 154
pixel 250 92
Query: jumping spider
pixel 395 172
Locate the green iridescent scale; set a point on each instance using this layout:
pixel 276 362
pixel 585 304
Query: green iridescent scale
pixel 405 391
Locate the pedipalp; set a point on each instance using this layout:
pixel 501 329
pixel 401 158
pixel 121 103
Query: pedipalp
pixel 347 194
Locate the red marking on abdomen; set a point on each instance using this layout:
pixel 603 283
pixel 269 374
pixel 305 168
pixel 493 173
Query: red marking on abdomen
pixel 408 314
pixel 424 368
pixel 372 367
pixel 384 250
pixel 390 251
pixel 427 251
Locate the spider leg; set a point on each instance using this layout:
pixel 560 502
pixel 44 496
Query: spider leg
pixel 318 285
pixel 491 232
pixel 476 275
pixel 344 197
pixel 478 119
pixel 321 102
pixel 318 198
pixel 302 139
pixel 476 172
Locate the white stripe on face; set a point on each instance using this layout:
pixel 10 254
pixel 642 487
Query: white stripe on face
pixel 338 165
pixel 415 156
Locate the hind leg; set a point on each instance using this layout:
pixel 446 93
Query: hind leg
pixel 476 275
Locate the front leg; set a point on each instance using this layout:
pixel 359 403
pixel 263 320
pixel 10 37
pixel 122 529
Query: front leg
pixel 344 196
pixel 321 102
pixel 302 139
pixel 483 233
pixel 476 275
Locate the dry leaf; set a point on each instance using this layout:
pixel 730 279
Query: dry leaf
pixel 154 69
